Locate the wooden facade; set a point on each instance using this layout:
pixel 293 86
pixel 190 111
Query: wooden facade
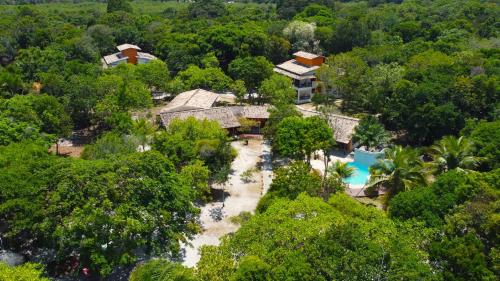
pixel 317 61
pixel 131 53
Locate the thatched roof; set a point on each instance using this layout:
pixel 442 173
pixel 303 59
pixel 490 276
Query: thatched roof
pixel 127 46
pixel 191 100
pixel 251 111
pixel 223 115
pixel 306 55
pixel 227 117
pixel 342 126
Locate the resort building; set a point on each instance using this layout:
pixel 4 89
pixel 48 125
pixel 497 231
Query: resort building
pixel 128 53
pixel 191 100
pixel 202 104
pixel 342 126
pixel 302 70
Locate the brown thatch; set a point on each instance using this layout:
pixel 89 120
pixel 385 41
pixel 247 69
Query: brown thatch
pixel 223 115
pixel 342 126
pixel 251 111
pixel 191 100
pixel 227 117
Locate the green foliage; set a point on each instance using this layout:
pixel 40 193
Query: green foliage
pixel 241 217
pixel 25 272
pixel 277 114
pixel 206 9
pixel 34 117
pixel 154 74
pixel 431 204
pixel 277 90
pixel 344 74
pixel 118 5
pixel 288 8
pixel 110 145
pixel 252 70
pixel 252 268
pixel 239 90
pixel 143 130
pixel 186 141
pixel 207 78
pixel 161 270
pixel 341 170
pixel 453 153
pixel 370 133
pixel 486 136
pixel 118 204
pixel 350 33
pixel 11 132
pixel 246 125
pixel 298 137
pixel 301 35
pixel 463 207
pixel 314 240
pixel 11 82
pixel 399 170
pixel 196 176
pixel 424 67
pixel 297 178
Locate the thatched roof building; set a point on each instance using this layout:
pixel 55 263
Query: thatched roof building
pixel 191 100
pixel 251 111
pixel 227 117
pixel 223 115
pixel 342 126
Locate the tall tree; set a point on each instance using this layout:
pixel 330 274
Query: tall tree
pixel 186 141
pixel 370 133
pixel 453 153
pixel 298 137
pixel 277 90
pixel 486 138
pixel 399 170
pixel 206 9
pixel 122 205
pixel 119 5
pixel 315 240
pixel 252 70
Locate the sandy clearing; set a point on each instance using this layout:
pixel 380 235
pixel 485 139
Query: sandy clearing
pixel 242 197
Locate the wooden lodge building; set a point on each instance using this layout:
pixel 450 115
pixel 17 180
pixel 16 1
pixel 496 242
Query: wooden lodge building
pixel 128 53
pixel 302 71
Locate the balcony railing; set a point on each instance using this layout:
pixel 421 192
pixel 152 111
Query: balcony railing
pixel 303 85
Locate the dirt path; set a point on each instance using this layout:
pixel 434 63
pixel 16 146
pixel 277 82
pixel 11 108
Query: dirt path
pixel 242 197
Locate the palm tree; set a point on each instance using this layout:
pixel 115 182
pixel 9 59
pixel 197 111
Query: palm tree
pixel 341 170
pixel 400 170
pixel 370 133
pixel 453 153
pixel 143 129
pixel 334 182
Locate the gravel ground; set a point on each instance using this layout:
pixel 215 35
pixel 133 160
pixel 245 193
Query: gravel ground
pixel 240 196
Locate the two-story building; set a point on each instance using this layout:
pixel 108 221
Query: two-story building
pixel 128 53
pixel 302 70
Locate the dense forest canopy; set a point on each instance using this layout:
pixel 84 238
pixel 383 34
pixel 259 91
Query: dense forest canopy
pixel 423 75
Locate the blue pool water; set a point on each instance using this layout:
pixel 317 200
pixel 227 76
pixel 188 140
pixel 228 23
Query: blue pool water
pixel 360 175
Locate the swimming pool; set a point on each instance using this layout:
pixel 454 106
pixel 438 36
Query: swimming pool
pixel 361 174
